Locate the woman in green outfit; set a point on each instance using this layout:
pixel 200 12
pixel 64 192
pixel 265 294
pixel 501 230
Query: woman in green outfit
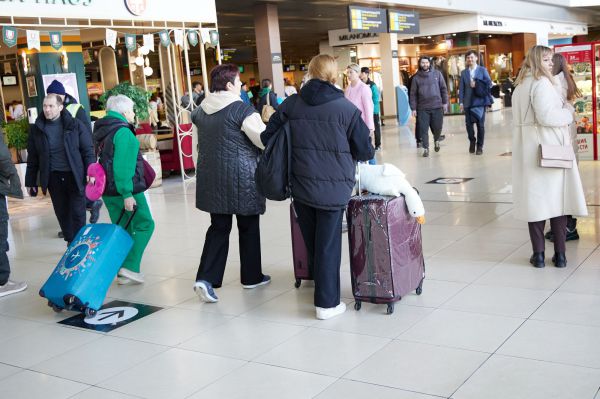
pixel 114 136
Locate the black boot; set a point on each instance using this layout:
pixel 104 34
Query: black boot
pixel 537 259
pixel 559 259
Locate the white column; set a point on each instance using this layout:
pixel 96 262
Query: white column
pixel 390 71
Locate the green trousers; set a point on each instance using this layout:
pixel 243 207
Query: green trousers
pixel 140 228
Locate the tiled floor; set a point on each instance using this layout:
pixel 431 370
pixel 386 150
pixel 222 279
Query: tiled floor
pixel 487 326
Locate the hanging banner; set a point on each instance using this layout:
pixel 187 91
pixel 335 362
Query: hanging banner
pixel 33 39
pixel 56 40
pixel 178 37
pixel 165 40
pixel 214 37
pixel 149 41
pixel 205 33
pixel 130 42
pixel 111 38
pixel 9 35
pixel 193 38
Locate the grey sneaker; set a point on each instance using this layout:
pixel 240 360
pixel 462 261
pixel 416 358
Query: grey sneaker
pixel 205 291
pixel 12 287
pixel 266 280
pixel 425 152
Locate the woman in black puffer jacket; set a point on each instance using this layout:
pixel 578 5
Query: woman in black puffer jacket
pixel 328 136
pixel 228 148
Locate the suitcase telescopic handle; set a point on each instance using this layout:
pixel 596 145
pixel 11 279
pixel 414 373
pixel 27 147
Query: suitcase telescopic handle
pixel 128 219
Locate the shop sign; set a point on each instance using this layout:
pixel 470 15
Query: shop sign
pixel 342 37
pixel 136 7
pixel 165 40
pixel 493 23
pixel 9 35
pixel 404 22
pixel 576 54
pixel 193 38
pixel 276 58
pixel 364 19
pixel 585 146
pixel 130 42
pixel 56 40
pixel 139 10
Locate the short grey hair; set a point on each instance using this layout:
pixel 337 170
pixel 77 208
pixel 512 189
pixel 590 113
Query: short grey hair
pixel 119 103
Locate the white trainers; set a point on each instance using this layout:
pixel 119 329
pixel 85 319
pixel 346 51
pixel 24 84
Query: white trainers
pixel 328 313
pixel 123 280
pixel 12 287
pixel 133 276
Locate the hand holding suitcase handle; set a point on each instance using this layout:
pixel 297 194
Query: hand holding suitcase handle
pixel 129 219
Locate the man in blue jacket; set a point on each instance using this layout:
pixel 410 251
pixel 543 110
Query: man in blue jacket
pixel 474 96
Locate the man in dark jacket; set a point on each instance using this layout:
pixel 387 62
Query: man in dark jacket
pixel 328 136
pixel 10 186
pixel 60 150
pixel 473 104
pixel 429 101
pixel 77 111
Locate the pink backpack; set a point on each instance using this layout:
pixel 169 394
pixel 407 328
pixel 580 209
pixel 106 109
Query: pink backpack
pixel 93 191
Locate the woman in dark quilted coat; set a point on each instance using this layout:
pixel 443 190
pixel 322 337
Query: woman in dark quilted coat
pixel 228 148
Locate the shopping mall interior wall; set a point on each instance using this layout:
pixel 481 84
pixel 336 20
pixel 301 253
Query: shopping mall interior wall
pixel 521 43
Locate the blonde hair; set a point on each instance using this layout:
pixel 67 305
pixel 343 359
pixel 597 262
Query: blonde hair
pixel 354 67
pixel 532 65
pixel 323 67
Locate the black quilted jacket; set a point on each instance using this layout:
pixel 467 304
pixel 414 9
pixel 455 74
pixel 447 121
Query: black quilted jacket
pixel 227 160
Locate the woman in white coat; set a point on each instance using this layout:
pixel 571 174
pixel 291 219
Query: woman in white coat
pixel 541 117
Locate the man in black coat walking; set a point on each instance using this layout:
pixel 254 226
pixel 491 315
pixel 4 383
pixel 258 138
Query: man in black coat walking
pixel 60 149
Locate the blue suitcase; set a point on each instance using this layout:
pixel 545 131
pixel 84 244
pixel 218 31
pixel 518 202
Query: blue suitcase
pixel 88 267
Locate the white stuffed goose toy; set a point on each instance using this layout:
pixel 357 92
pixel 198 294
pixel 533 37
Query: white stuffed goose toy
pixel 387 179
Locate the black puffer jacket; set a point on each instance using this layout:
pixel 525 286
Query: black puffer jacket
pixel 78 147
pixel 227 161
pixel 328 136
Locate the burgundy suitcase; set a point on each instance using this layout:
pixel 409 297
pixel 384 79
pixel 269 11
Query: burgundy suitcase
pixel 386 251
pixel 299 252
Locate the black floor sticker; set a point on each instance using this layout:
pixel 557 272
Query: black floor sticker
pixel 113 315
pixel 450 180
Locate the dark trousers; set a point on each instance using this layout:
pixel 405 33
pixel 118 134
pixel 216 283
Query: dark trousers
pixel 4 264
pixel 559 228
pixel 322 232
pixel 216 248
pixel 471 120
pixel 377 130
pixel 68 202
pixel 430 118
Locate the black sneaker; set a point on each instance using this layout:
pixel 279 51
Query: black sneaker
pixel 479 151
pixel 572 235
pixel 60 234
pixel 95 211
pixel 472 147
pixel 419 144
pixel 442 137
pixel 436 146
pixel 425 152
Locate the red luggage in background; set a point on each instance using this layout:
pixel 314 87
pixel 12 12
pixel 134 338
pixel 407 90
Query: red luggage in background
pixel 386 251
pixel 299 252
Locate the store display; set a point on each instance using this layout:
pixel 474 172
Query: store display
pixel 585 72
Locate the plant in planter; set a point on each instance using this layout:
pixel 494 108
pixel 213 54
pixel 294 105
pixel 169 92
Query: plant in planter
pixel 17 134
pixel 138 95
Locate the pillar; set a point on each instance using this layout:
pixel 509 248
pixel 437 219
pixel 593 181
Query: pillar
pixel 268 45
pixel 521 43
pixel 390 72
pixel 325 48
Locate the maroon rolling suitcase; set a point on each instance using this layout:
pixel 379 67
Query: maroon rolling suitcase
pixel 299 252
pixel 386 251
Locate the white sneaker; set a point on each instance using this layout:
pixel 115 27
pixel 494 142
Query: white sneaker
pixel 12 287
pixel 328 313
pixel 123 280
pixel 133 276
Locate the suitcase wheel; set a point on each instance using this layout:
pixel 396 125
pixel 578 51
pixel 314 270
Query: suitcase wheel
pixel 297 283
pixel 89 312
pixel 420 288
pixel 390 308
pixel 357 305
pixel 54 307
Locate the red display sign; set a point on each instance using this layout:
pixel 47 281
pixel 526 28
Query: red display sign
pixel 576 54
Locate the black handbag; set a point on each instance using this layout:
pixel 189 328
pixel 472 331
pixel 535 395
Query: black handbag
pixel 273 172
